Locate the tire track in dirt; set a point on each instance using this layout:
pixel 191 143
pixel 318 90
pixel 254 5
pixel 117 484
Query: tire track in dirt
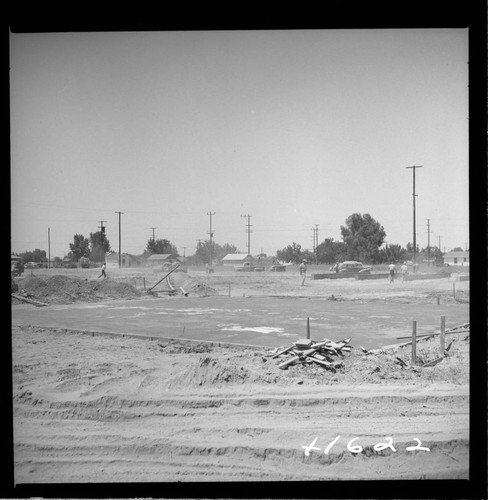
pixel 125 410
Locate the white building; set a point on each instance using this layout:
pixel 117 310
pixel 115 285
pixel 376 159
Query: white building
pixel 237 259
pixel 457 258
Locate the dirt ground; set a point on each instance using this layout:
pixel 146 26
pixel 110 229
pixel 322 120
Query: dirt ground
pixel 112 409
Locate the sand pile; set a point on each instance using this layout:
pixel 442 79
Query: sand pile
pixel 61 289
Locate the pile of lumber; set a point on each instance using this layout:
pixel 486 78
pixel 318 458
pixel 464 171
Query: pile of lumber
pixel 324 353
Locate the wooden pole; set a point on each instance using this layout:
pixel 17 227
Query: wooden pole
pixel 438 299
pixel 414 342
pixel 443 334
pixel 308 328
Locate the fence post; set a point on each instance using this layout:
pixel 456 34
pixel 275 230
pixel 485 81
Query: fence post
pixel 443 334
pixel 308 328
pixel 414 342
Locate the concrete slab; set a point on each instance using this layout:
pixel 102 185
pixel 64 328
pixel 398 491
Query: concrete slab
pixel 268 321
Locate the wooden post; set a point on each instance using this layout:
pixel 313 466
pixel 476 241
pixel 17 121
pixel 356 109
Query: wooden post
pixel 414 342
pixel 308 328
pixel 144 282
pixel 438 299
pixel 443 334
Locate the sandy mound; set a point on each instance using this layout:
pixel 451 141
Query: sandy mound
pixel 61 289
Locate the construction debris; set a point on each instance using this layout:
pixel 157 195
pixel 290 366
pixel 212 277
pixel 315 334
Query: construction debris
pixel 28 300
pixel 306 351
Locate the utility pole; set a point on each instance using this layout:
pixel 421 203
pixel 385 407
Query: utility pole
pixel 316 244
pixel 248 233
pixel 414 230
pixel 428 241
pixel 120 241
pixel 211 236
pixel 153 228
pixel 313 229
pixel 49 248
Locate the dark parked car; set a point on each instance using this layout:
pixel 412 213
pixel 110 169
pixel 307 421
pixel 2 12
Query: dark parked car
pixel 354 267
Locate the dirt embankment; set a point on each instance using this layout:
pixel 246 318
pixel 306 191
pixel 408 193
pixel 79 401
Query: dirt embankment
pixel 125 409
pixel 59 289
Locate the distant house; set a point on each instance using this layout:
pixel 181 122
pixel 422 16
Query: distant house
pixel 112 260
pixel 236 259
pixel 160 259
pixel 457 258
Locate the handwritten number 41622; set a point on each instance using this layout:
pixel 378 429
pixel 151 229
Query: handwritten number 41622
pixel 358 448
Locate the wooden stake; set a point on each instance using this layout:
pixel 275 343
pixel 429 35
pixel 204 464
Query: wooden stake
pixel 414 342
pixel 443 334
pixel 308 328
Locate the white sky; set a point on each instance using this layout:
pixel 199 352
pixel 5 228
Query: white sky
pixel 295 128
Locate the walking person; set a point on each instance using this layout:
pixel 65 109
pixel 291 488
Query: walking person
pixel 392 272
pixel 404 269
pixel 303 271
pixel 103 271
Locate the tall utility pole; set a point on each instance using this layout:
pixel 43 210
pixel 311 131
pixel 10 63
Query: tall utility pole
pixel 248 225
pixel 428 241
pixel 316 244
pixel 414 230
pixel 120 240
pixel 49 248
pixel 314 238
pixel 211 236
pixel 153 228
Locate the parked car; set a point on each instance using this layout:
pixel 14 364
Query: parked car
pixel 354 267
pixel 278 268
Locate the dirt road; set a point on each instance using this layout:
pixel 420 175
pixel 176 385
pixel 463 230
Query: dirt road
pixel 112 409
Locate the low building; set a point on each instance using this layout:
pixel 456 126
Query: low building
pixel 160 259
pixel 112 260
pixel 457 258
pixel 237 259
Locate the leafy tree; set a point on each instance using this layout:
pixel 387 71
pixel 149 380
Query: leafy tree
pixel 79 248
pixel 457 249
pixel 33 256
pixel 222 251
pixel 291 253
pixel 392 253
pixel 160 246
pixel 202 253
pixel 330 251
pixel 363 237
pixel 99 246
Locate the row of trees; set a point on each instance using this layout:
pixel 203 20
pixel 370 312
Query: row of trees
pixel 362 239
